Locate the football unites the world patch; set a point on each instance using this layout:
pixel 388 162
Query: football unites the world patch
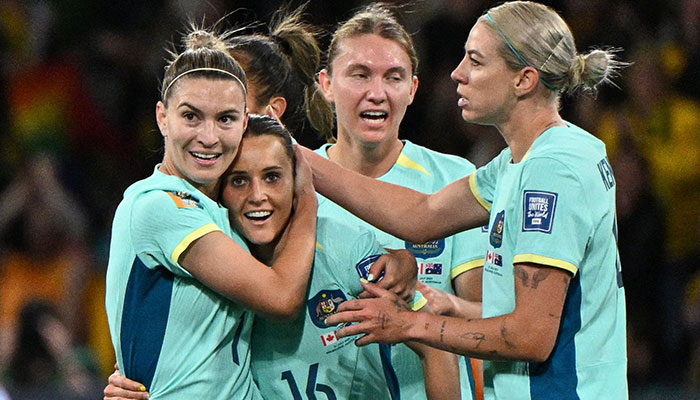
pixel 184 200
pixel 324 304
pixel 538 212
pixel 364 265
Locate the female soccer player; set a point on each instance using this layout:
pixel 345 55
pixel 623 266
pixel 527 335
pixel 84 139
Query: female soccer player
pixel 370 79
pixel 554 304
pixel 180 282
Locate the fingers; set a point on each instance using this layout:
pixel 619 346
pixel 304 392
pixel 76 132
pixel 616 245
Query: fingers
pixel 375 290
pixel 377 268
pixel 123 385
pixel 115 393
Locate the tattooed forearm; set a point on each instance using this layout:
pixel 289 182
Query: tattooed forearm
pixel 478 337
pixel 442 331
pixel 522 275
pixel 504 335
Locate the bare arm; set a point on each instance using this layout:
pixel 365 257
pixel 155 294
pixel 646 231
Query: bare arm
pixel 528 333
pixel 440 369
pixel 440 372
pixel 220 263
pixel 402 212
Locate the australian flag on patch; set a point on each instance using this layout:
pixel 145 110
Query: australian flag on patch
pixel 430 268
pixel 494 258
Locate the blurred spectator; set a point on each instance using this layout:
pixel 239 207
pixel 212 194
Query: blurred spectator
pixel 666 127
pixel 44 255
pixel 44 363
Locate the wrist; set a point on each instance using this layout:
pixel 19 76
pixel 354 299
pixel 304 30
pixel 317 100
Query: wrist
pixel 418 329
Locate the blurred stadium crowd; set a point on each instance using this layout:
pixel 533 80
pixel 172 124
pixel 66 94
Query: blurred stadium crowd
pixel 78 85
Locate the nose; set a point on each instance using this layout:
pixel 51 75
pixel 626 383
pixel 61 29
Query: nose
pixel 376 92
pixel 208 135
pixel 459 74
pixel 257 193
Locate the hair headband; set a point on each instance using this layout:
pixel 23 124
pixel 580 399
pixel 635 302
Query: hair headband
pixel 510 46
pixel 245 91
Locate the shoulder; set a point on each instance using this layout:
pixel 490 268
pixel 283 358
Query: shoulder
pixel 323 150
pixel 423 153
pixel 570 144
pixel 337 233
pixel 433 163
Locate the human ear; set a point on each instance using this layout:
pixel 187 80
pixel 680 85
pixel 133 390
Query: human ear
pixel 526 80
pixel 278 105
pixel 324 80
pixel 414 88
pixel 161 118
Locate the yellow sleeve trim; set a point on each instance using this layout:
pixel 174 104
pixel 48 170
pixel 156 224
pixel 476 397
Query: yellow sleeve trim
pixel 475 192
pixel 419 303
pixel 187 241
pixel 406 162
pixel 552 262
pixel 467 266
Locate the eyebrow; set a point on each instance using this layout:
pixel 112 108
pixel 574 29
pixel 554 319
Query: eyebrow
pixel 197 110
pixel 474 52
pixel 266 169
pixel 364 67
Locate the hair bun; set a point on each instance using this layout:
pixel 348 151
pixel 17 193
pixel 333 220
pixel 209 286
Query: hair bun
pixel 201 39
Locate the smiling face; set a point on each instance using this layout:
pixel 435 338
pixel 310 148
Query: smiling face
pixel 258 189
pixel 202 125
pixel 484 81
pixel 371 85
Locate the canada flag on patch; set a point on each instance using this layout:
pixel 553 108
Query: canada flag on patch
pixel 329 338
pixel 494 258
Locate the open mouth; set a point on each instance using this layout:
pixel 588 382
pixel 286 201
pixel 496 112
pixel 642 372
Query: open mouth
pixel 204 156
pixel 258 215
pixel 374 116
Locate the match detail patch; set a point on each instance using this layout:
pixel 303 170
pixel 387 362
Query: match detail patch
pixel 184 200
pixel 538 212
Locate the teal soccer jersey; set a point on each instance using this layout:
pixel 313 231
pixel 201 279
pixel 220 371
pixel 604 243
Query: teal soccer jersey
pixel 304 359
pixel 438 261
pixel 170 332
pixel 557 208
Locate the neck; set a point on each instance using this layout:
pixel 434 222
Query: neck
pixel 525 124
pixel 265 253
pixel 373 160
pixel 210 190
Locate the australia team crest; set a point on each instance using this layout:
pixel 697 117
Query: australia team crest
pixel 324 304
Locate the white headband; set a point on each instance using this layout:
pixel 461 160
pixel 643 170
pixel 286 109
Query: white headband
pixel 245 92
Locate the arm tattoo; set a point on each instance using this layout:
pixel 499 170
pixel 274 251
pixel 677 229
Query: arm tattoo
pixel 504 335
pixel 540 275
pixel 442 331
pixel 475 336
pixel 522 274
